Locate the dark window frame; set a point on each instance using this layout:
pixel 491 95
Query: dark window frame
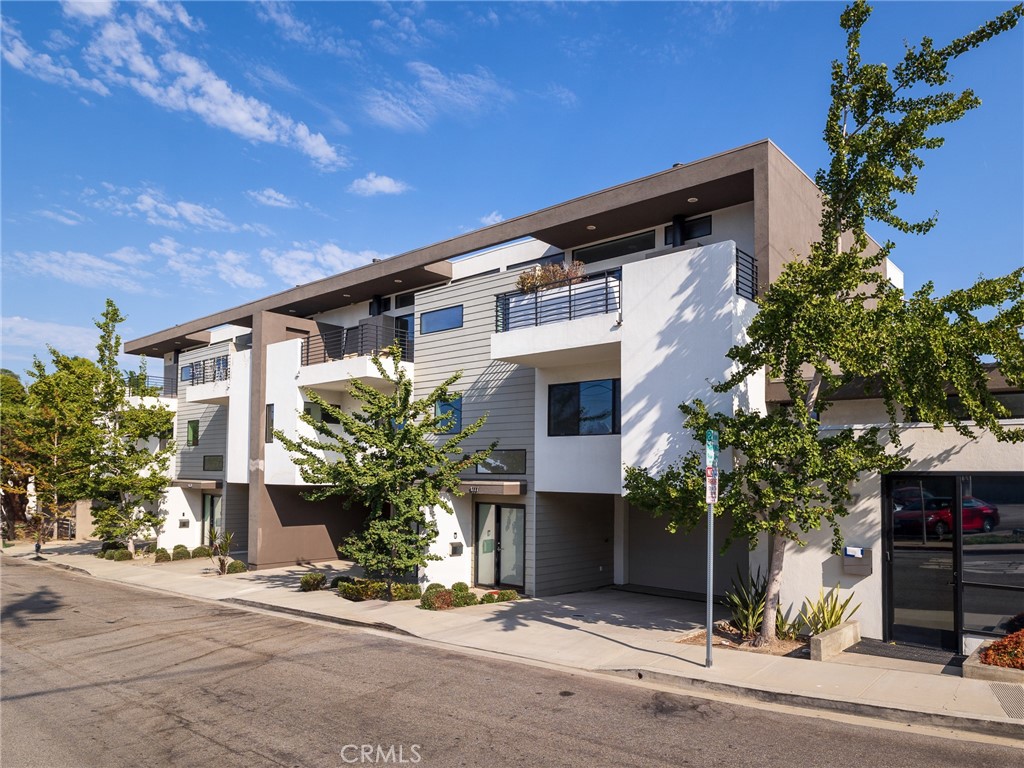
pixel 268 432
pixel 192 433
pixel 560 425
pixel 522 451
pixel 216 459
pixel 185 372
pixel 455 406
pixel 428 318
pixel 617 248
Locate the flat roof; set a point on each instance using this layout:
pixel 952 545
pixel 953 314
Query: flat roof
pixel 688 189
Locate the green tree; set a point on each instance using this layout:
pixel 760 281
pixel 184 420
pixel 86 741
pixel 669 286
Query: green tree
pixel 13 479
pixel 831 320
pixel 394 458
pixel 49 441
pixel 130 470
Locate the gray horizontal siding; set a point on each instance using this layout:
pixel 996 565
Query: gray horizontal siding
pixel 236 513
pixel 213 438
pixel 573 542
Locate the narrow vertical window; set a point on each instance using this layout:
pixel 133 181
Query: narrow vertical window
pixel 192 433
pixel 268 436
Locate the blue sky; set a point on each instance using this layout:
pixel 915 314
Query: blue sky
pixel 184 158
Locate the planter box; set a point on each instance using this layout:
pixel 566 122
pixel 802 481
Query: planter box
pixel 832 642
pixel 975 670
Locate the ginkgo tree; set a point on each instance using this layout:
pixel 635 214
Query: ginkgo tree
pixel 394 456
pixel 831 320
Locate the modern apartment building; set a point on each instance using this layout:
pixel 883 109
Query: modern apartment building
pixel 576 382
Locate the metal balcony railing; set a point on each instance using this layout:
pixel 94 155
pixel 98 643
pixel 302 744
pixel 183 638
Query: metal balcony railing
pixel 746 275
pixel 361 340
pixel 561 300
pixel 210 370
pixel 151 386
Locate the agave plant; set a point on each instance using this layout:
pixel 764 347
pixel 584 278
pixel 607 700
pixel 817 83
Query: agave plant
pixel 826 612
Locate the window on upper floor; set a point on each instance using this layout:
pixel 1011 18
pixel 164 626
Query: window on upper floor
pixel 192 433
pixel 554 258
pixel 185 372
pixel 213 463
pixel 584 408
pixel 689 229
pixel 454 408
pixel 319 414
pixel 504 462
pixel 404 300
pixel 441 319
pixel 624 246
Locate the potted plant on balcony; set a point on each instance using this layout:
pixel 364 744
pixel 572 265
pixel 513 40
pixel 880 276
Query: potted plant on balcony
pixel 547 276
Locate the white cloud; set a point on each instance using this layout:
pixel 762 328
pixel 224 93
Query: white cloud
pixel 305 262
pixel 90 10
pixel 119 54
pixel 282 16
pixel 491 218
pixel 158 210
pixel 63 216
pixel 83 269
pixel 33 335
pixel 372 184
pixel 232 268
pixel 271 197
pixel 562 96
pixel 42 66
pixel 414 107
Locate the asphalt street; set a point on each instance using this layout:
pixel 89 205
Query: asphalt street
pixel 99 674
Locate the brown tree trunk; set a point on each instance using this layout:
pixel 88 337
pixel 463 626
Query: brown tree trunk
pixel 771 597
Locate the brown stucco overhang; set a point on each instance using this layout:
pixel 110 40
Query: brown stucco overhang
pixel 493 487
pixel 716 182
pixel 196 485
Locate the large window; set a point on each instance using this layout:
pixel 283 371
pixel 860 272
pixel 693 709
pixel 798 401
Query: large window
pixel 503 462
pixel 624 246
pixel 680 231
pixel 441 319
pixel 455 409
pixel 584 408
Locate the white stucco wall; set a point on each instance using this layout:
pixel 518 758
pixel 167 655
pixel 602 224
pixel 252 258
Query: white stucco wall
pixel 584 464
pixel 807 569
pixel 181 504
pixel 237 460
pixel 456 526
pixel 680 314
pixel 282 370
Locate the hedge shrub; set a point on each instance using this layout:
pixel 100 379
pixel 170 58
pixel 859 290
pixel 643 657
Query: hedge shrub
pixel 108 545
pixel 181 553
pixel 312 582
pixel 433 587
pixel 438 600
pixel 120 554
pixel 339 579
pixel 487 598
pixel 202 551
pixel 461 599
pixel 162 555
pixel 507 594
pixel 367 589
pixel 460 586
pixel 109 554
pixel 237 566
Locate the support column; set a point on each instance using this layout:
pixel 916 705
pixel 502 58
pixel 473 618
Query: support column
pixel 620 574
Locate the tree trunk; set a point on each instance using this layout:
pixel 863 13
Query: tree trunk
pixel 771 595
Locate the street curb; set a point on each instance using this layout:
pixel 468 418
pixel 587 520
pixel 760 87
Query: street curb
pixel 379 625
pixel 981 726
pixel 46 562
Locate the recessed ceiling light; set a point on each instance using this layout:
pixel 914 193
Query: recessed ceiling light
pixel 346 295
pixel 397 280
pixel 691 199
pixel 291 311
pixel 591 227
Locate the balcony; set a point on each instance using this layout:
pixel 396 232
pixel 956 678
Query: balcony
pixel 151 386
pixel 208 380
pixel 564 323
pixel 331 359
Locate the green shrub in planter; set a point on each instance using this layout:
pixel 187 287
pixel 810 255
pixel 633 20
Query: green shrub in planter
pixel 339 579
pixel 237 566
pixel 109 554
pixel 312 582
pixel 438 600
pixel 488 598
pixel 108 545
pixel 507 594
pixel 363 589
pixel 460 586
pixel 120 554
pixel 162 555
pixel 405 591
pixel 180 554
pixel 433 587
pixel 462 599
pixel 202 551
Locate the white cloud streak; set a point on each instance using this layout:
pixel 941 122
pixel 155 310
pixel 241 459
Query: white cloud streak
pixel 34 335
pixel 491 218
pixel 63 216
pixel 372 184
pixel 84 269
pixel 413 107
pixel 305 262
pixel 281 15
pixel 42 66
pixel 271 197
pixel 157 210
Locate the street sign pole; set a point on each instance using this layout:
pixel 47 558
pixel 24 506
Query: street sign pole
pixel 711 497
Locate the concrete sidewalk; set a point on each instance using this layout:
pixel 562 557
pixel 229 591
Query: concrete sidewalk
pixel 608 631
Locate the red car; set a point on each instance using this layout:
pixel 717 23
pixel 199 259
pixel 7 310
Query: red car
pixel 978 516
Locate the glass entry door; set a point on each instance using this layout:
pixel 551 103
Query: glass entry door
pixel 500 546
pixel 212 516
pixel 924 531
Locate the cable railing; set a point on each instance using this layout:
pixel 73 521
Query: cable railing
pixel 361 340
pixel 746 275
pixel 207 371
pixel 560 300
pixel 151 386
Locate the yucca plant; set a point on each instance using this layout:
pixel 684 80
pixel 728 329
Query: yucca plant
pixel 746 603
pixel 827 612
pixel 784 628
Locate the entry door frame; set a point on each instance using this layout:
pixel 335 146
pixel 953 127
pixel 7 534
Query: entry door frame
pixel 208 515
pixel 888 543
pixel 497 548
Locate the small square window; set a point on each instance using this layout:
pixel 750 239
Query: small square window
pixel 503 462
pixel 213 463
